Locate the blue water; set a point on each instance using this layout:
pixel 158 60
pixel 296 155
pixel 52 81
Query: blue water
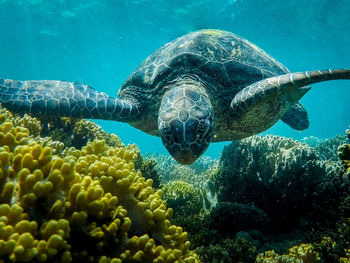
pixel 101 42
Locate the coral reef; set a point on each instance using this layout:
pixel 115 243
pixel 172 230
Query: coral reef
pixel 85 130
pixel 196 174
pixel 184 198
pixel 265 193
pixel 230 218
pixel 334 246
pixel 148 169
pixel 344 154
pixel 63 132
pixel 327 250
pixel 311 141
pixel 51 203
pixel 228 250
pixel 303 253
pixel 76 132
pixel 212 246
pixel 284 178
pixel 186 188
pixel 327 149
pixel 270 193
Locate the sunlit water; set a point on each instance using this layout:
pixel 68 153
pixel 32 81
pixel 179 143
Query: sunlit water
pixel 101 42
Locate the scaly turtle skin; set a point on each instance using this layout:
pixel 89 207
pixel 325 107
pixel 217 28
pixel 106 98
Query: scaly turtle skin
pixel 206 86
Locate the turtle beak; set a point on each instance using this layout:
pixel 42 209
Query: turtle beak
pixel 186 157
pixel 186 142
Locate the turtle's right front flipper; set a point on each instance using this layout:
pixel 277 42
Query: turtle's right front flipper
pixel 261 104
pixel 50 98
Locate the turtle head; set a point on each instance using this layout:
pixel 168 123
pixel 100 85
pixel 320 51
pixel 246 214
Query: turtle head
pixel 186 122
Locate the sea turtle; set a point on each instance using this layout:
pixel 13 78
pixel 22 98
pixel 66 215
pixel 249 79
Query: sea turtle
pixel 206 86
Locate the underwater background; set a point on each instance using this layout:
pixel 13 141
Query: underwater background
pixel 102 191
pixel 101 42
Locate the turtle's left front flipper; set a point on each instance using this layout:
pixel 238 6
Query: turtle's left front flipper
pixel 51 98
pixel 263 103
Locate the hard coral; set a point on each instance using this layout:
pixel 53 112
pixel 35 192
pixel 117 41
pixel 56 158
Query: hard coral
pixel 328 148
pixel 325 251
pixel 148 170
pixel 282 177
pixel 229 218
pixel 227 251
pixel 303 253
pixel 344 155
pixel 76 132
pixel 85 130
pixel 89 205
pixel 196 174
pixel 184 198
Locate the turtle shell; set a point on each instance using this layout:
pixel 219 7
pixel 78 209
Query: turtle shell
pixel 224 62
pixel 213 55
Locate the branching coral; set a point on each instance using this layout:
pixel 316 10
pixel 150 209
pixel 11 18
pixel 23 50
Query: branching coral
pixel 311 141
pixel 328 148
pixel 185 188
pixel 331 249
pixel 196 174
pixel 89 205
pixel 184 198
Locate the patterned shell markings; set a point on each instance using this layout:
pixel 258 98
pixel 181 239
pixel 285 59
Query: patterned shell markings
pixel 225 63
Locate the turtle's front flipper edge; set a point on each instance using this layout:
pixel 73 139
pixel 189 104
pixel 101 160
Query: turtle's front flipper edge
pixel 51 98
pixel 280 91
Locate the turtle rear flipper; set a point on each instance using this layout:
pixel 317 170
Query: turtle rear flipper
pixel 261 104
pixel 51 98
pixel 296 117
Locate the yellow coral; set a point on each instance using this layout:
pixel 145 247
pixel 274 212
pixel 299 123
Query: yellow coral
pixel 85 129
pixel 344 155
pixel 49 204
pixel 303 253
pixel 347 258
pixel 32 124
